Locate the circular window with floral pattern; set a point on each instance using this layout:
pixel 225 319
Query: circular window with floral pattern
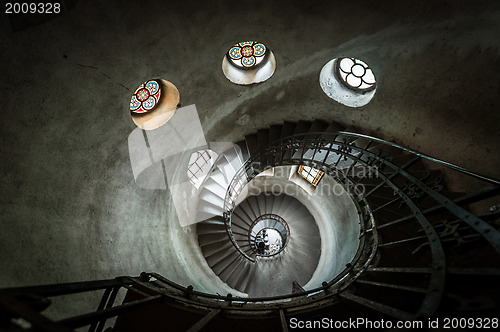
pixel 146 97
pixel 355 74
pixel 247 55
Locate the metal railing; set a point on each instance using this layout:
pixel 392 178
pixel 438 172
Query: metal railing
pixel 340 155
pixel 402 200
pixel 27 303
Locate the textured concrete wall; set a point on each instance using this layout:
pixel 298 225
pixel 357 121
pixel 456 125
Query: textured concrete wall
pixel 70 209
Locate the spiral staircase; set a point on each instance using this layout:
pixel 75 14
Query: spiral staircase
pixel 426 249
pixel 296 263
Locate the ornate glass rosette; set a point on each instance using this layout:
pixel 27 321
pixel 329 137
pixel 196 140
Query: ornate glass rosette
pixel 355 74
pixel 146 97
pixel 247 55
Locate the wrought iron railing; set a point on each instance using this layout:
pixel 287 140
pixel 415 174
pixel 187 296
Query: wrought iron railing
pixel 418 195
pixel 410 227
pixel 150 288
pixel 346 149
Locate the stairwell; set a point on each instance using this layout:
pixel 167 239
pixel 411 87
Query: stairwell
pixel 396 244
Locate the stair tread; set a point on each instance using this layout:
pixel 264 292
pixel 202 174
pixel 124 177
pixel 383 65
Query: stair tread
pixel 263 141
pixel 274 133
pixel 243 147
pixel 287 129
pixel 227 171
pixel 242 217
pixel 206 239
pixel 218 177
pixel 210 228
pixel 215 187
pixel 238 272
pixel 210 250
pixel 220 256
pixel 252 144
pixel 211 197
pixel 302 127
pixel 204 215
pixel 211 231
pixel 318 126
pixel 210 207
pixel 334 127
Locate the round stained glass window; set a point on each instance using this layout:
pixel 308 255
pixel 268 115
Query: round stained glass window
pixel 146 97
pixel 247 55
pixel 355 74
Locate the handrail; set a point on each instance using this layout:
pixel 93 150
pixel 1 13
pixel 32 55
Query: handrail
pixel 13 300
pixel 325 286
pixel 316 141
pixel 395 145
pixel 278 143
pixel 362 261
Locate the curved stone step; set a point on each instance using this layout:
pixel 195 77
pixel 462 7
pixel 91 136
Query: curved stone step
pixel 215 187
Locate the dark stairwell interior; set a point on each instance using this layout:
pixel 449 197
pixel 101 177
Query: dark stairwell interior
pixel 71 210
